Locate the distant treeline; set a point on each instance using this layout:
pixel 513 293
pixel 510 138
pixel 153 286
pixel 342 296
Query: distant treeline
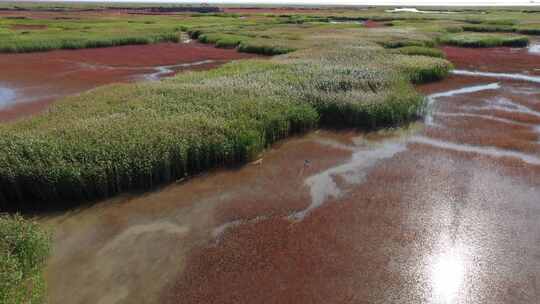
pixel 172 9
pixel 156 9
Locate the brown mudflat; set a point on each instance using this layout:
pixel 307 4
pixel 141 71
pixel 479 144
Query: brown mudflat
pixel 440 212
pixel 38 79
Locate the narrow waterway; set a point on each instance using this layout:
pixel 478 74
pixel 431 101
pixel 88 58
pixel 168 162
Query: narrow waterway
pixel 441 211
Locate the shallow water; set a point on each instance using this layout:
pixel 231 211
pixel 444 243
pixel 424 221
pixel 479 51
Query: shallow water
pixel 512 76
pixel 432 98
pixel 441 212
pixel 162 71
pixel 534 49
pixel 7 96
pixel 323 187
pixel 505 105
pixel 481 150
pixel 346 22
pixel 415 10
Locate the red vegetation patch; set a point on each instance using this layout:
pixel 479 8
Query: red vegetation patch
pixel 333 256
pixel 499 59
pixel 40 78
pixel 271 10
pixel 479 132
pixel 28 27
pixel 373 24
pixel 52 15
pixel 383 239
pixel 371 245
pixel 287 162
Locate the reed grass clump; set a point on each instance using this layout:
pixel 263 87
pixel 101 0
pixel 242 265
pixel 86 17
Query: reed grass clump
pixel 264 49
pixel 420 51
pixel 508 22
pixel 422 69
pixel 19 45
pixel 247 43
pixel 221 40
pixel 488 28
pixel 137 137
pixel 24 247
pixel 484 40
pixel 453 29
pixel 348 92
pixel 528 30
pixel 394 44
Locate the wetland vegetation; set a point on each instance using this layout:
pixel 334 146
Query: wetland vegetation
pixel 127 137
pixel 484 40
pixel 24 247
pixel 326 70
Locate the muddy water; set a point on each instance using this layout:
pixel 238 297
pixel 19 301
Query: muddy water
pixel 38 79
pixel 442 211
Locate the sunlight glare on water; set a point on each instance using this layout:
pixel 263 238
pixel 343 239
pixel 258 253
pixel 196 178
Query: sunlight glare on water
pixel 447 276
pixel 534 49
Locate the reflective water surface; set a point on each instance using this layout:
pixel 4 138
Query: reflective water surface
pixel 444 211
pixel 534 48
pixel 7 96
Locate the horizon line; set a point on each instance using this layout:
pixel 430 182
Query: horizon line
pixel 351 3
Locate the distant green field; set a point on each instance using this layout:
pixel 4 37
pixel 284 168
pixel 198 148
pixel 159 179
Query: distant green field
pixel 30 35
pixel 20 33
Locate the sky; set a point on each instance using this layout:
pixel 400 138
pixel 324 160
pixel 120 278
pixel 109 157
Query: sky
pixel 404 3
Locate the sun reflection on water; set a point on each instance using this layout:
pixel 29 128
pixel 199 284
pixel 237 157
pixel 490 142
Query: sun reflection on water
pixel 447 275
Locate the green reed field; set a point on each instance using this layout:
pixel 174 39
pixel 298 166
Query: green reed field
pixel 484 40
pixel 83 26
pixel 24 247
pixel 135 136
